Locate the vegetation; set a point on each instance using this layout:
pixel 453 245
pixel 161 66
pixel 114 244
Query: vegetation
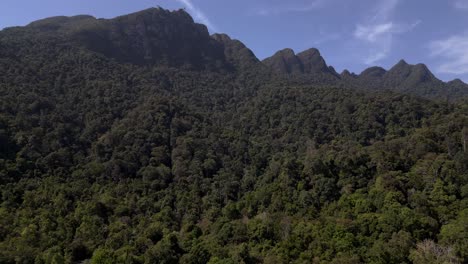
pixel 110 159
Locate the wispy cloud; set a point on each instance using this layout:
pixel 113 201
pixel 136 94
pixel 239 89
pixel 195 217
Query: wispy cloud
pixel 276 10
pixel 461 4
pixel 372 33
pixel 379 30
pixel 454 54
pixel 199 15
pixel 376 56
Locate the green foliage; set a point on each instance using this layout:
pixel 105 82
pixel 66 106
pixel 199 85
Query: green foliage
pixel 110 162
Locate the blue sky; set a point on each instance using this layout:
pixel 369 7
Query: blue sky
pixel 351 34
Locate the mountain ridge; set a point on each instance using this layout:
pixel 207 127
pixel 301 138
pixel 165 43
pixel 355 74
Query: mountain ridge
pixel 136 38
pixel 403 77
pixel 154 36
pixel 213 157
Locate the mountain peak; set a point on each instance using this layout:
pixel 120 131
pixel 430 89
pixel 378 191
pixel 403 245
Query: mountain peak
pixel 347 74
pixel 312 52
pixel 406 75
pixel 402 62
pixel 221 37
pixel 286 52
pixel 373 72
pixel 284 61
pixel 421 67
pixel 401 68
pixel 312 61
pixel 235 51
pixel 306 62
pixel 457 82
pixel 153 36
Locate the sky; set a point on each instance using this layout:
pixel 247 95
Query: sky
pixel 350 34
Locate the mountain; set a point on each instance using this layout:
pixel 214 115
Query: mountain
pixel 414 79
pixel 285 61
pixel 171 38
pixel 143 139
pixel 405 76
pixel 308 62
pixel 373 72
pixel 309 66
pixel 150 37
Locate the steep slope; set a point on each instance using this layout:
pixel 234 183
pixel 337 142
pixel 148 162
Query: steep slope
pixel 150 37
pixel 405 76
pixel 236 52
pixel 306 67
pixel 285 61
pixel 413 79
pixel 307 62
pixel 110 158
pixel 310 67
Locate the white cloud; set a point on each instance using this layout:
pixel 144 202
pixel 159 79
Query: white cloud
pixel 276 10
pixel 379 30
pixel 199 15
pixel 461 4
pixel 373 58
pixel 454 52
pixel 371 33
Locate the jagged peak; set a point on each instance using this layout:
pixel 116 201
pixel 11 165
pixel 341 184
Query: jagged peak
pixel 421 67
pixel 285 52
pixel 312 52
pixel 284 61
pixel 457 82
pixel 402 62
pixel 333 71
pixel 152 36
pixel 402 69
pixel 312 61
pixel 227 40
pixel 347 73
pixel 221 37
pixel 374 71
pixel 311 55
pixel 307 61
pixel 235 51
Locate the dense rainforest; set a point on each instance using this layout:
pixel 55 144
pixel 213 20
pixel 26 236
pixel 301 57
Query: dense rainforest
pixel 143 139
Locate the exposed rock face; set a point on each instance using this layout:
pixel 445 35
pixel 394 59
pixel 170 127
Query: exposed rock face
pixel 235 52
pixel 312 61
pixel 285 61
pixel 153 36
pixel 158 37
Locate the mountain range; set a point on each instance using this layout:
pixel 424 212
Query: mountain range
pixel 144 139
pixel 171 38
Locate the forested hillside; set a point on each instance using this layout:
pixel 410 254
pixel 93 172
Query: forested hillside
pixel 143 139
